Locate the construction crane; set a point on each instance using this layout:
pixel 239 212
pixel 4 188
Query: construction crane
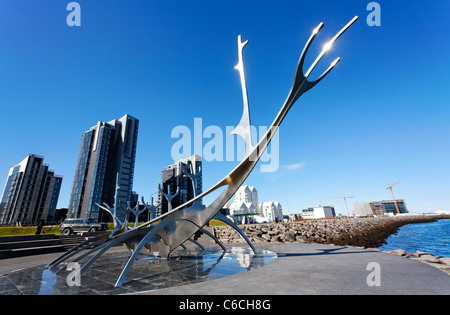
pixel 345 199
pixel 392 192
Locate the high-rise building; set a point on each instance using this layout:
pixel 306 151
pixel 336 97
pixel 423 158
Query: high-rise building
pixel 181 185
pixel 31 191
pixel 106 158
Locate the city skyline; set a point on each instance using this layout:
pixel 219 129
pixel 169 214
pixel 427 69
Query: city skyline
pixel 380 117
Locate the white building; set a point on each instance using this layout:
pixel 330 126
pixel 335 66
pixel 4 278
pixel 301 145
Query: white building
pixel 246 205
pixel 318 212
pixel 239 211
pixel 271 210
pixel 246 194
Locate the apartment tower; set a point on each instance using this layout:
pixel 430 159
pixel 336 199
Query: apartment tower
pixel 106 160
pixel 31 191
pixel 180 184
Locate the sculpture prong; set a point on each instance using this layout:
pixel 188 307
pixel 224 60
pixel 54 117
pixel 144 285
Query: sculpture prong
pixel 224 219
pixel 151 208
pixel 168 196
pixel 137 250
pixel 196 243
pixel 328 46
pixel 332 65
pixel 193 176
pixel 74 250
pixel 218 242
pixel 118 224
pixel 243 129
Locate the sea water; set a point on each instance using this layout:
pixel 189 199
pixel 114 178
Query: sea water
pixel 433 238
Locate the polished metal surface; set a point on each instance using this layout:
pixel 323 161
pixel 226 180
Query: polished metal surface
pixel 178 225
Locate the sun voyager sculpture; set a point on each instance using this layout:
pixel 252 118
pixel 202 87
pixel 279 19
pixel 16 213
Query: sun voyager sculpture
pixel 170 230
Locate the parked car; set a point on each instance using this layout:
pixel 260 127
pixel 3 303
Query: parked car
pixel 70 226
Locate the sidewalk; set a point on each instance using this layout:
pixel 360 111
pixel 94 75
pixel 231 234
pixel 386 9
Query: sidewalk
pixel 299 269
pixel 325 269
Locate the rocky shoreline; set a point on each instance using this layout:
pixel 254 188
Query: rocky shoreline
pixel 364 232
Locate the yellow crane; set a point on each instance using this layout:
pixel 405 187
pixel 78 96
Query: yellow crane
pixel 392 192
pixel 345 199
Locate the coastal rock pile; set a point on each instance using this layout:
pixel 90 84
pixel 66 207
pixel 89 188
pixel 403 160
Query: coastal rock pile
pixel 366 232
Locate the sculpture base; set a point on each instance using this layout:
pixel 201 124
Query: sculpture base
pixel 185 266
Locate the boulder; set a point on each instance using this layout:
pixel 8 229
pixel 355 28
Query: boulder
pixel 420 253
pixel 429 259
pixel 289 237
pixel 399 252
pixel 275 239
pixel 445 260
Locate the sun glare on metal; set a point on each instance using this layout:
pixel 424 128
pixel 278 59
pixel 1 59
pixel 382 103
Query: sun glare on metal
pixel 327 46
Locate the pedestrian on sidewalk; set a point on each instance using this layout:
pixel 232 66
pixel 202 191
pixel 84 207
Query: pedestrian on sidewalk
pixel 40 224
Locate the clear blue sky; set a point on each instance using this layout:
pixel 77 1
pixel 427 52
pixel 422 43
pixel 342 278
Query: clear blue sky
pixel 381 116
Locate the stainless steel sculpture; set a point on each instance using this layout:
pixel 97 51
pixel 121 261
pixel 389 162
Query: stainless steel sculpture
pixel 178 225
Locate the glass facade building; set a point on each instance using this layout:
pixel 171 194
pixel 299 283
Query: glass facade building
pixel 106 158
pixel 31 191
pixel 175 178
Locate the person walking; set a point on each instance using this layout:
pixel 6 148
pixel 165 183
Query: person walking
pixel 40 224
